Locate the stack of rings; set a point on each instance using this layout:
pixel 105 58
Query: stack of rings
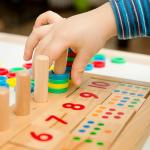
pixel 58 83
pixel 70 59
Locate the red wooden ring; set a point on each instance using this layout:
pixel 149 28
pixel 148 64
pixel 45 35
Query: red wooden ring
pixel 99 64
pixel 3 71
pixel 69 64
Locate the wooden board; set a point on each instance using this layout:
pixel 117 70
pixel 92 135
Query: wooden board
pixel 84 118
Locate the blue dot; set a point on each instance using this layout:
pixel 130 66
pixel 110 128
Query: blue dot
pixel 86 126
pixel 140 94
pixel 124 101
pixel 81 130
pixel 124 92
pixel 90 122
pixel 120 104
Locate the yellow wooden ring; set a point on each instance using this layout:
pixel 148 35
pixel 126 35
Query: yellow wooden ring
pixel 11 82
pixel 58 86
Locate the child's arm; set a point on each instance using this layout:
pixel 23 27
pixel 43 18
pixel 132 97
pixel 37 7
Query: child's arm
pixel 85 33
pixel 132 18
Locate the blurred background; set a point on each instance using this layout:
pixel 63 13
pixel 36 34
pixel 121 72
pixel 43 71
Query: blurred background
pixel 18 16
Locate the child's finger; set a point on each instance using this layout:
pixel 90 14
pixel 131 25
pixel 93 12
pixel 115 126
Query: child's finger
pixel 79 64
pixel 36 35
pixel 47 18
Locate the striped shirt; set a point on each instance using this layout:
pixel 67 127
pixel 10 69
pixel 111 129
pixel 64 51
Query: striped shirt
pixel 132 18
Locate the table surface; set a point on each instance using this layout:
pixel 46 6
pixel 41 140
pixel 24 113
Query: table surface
pixel 137 67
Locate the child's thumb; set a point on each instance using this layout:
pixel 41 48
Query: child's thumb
pixel 79 65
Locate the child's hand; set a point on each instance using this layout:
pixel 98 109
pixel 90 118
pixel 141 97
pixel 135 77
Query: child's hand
pixel 48 17
pixel 85 33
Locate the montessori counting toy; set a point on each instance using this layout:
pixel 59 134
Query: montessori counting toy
pixel 103 113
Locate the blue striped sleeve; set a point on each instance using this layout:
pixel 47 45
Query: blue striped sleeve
pixel 132 18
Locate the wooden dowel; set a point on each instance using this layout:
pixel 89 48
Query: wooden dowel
pixel 60 64
pixel 41 67
pixel 23 96
pixel 4 109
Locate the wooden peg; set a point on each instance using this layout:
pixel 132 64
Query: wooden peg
pixel 60 64
pixel 23 96
pixel 41 67
pixel 4 109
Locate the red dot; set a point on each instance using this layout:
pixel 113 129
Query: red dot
pixel 112 109
pixel 117 117
pixel 105 117
pixel 108 113
pixel 120 113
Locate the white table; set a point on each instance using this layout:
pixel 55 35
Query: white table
pixel 136 68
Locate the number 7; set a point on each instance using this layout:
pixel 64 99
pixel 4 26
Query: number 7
pixel 56 118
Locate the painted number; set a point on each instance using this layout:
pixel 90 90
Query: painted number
pixel 88 95
pixel 56 118
pixel 73 106
pixel 98 84
pixel 41 137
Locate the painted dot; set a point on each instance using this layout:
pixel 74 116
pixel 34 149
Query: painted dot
pixel 133 102
pixel 99 111
pixel 105 117
pixel 117 117
pixel 102 107
pixel 76 138
pixel 82 131
pixel 100 143
pixel 140 95
pixel 108 113
pixel 111 103
pixel 120 113
pixel 124 92
pixel 126 98
pixel 116 90
pixel 88 141
pixel 86 126
pixel 132 93
pixel 117 96
pixel 108 131
pixel 91 122
pixel 96 128
pixel 120 104
pixel 136 99
pixel 131 106
pixel 114 99
pixel 95 115
pixel 93 133
pixel 100 124
pixel 129 85
pixel 112 109
pixel 123 101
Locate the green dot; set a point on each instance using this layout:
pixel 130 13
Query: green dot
pixel 88 141
pixel 100 143
pixel 133 102
pixel 100 124
pixel 76 138
pixel 136 99
pixel 93 133
pixel 96 128
pixel 131 106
